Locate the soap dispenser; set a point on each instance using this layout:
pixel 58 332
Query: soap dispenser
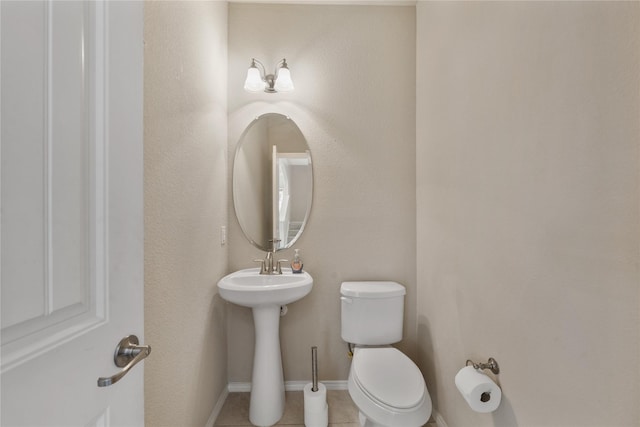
pixel 296 264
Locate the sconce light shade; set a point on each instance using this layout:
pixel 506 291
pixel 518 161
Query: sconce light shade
pixel 258 80
pixel 283 81
pixel 254 82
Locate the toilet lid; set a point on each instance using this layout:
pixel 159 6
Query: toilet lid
pixel 387 375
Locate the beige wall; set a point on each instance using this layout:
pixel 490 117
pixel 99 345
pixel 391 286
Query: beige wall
pixel 525 196
pixel 527 207
pixel 354 71
pixel 185 125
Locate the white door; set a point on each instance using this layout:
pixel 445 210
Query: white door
pixel 71 212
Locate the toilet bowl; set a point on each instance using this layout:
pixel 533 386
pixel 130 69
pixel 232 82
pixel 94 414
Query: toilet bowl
pixel 386 386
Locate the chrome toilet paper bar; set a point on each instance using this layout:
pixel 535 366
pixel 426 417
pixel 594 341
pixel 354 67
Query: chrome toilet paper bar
pixel 491 364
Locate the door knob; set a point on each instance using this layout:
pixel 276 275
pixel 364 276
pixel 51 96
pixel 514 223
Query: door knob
pixel 128 353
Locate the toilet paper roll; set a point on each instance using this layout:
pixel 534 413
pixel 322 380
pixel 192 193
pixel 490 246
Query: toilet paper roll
pixel 480 392
pixel 316 410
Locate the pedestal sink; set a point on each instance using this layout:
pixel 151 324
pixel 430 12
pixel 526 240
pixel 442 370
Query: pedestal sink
pixel 265 294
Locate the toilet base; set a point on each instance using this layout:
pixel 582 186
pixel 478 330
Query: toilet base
pixel 365 422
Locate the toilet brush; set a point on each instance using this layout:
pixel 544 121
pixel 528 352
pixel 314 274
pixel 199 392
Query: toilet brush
pixel 316 410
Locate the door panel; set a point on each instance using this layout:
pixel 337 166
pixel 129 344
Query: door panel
pixel 71 224
pixel 52 168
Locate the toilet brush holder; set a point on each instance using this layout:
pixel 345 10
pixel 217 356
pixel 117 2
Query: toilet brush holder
pixel 316 410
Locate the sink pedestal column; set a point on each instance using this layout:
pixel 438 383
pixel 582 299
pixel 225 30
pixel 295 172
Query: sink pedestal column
pixel 267 383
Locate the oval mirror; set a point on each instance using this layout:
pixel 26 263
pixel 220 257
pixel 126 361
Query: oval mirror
pixel 272 182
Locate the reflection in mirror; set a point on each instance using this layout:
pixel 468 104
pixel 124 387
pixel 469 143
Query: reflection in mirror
pixel 272 182
pixel 293 184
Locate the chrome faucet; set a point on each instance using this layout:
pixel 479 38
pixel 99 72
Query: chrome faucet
pixel 269 265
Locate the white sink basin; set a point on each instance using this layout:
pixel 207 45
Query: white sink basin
pixel 249 288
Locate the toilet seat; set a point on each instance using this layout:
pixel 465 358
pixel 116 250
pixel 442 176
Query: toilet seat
pixel 388 377
pixel 388 388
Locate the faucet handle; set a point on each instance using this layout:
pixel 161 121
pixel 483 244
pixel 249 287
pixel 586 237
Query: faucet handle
pixel 263 266
pixel 279 267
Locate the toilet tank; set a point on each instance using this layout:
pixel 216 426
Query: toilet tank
pixel 372 312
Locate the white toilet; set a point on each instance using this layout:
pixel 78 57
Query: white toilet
pixel 386 386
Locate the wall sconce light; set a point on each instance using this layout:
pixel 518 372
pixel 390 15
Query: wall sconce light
pixel 258 80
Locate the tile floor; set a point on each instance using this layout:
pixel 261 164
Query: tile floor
pixel 342 411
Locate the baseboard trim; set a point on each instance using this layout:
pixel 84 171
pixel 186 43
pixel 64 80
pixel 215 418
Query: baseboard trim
pixel 330 385
pixel 217 408
pixel 245 387
pixel 238 387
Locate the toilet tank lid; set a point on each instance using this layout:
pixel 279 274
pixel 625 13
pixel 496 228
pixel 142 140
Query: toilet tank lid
pixel 372 289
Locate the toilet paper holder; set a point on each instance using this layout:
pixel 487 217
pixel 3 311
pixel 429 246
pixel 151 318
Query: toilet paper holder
pixel 491 364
